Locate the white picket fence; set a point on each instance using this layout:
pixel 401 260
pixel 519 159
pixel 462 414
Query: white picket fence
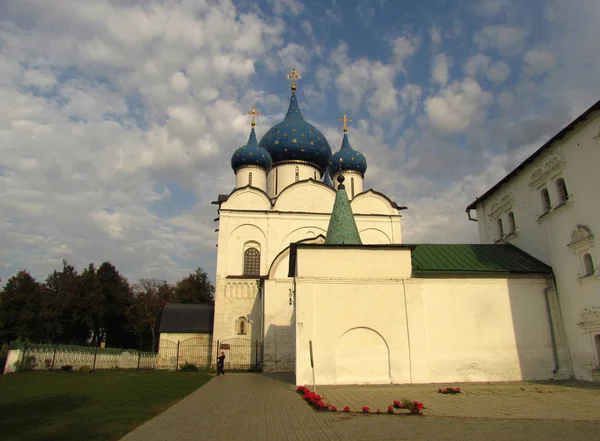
pixel 51 357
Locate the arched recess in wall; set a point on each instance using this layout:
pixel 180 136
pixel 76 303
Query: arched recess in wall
pixel 372 202
pixel 301 234
pixel 241 238
pixel 362 356
pixel 250 198
pixel 374 236
pixel 309 195
pixel 280 266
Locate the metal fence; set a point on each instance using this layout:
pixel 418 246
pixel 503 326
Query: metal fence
pixel 240 353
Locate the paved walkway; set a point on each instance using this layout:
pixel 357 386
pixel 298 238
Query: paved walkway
pixel 266 407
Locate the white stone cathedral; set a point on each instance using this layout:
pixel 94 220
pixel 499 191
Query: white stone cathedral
pixel 313 267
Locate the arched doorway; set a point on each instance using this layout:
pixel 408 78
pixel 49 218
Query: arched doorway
pixel 362 357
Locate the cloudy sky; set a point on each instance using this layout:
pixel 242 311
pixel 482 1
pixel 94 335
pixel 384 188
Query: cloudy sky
pixel 118 118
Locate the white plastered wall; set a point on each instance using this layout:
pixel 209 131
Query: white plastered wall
pixel 377 325
pixel 575 158
pixel 259 178
pixel 301 212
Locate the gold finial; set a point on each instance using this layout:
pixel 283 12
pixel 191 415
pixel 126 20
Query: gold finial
pixel 293 75
pixel 254 113
pixel 346 120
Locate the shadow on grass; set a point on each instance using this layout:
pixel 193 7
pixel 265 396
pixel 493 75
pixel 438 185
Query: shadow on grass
pixel 20 420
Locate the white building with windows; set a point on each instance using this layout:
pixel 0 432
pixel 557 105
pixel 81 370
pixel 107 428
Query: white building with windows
pixel 548 207
pixel 318 274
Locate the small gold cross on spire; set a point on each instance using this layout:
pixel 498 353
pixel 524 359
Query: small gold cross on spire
pixel 346 120
pixel 293 75
pixel 254 113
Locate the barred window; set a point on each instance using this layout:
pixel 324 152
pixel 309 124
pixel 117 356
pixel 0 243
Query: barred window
pixel 511 222
pixel 251 262
pixel 297 173
pixel 242 326
pixel 352 185
pixel 545 201
pixel 276 182
pixel 250 179
pixel 500 229
pixel 561 189
pixel 588 264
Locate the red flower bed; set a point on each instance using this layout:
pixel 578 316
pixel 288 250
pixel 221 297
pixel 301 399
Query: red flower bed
pixel 449 390
pixel 316 401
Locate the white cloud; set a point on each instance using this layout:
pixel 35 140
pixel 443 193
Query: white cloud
pixel 435 36
pixel 294 7
pixel 498 72
pixel 402 49
pixel 505 100
pixel 150 104
pixel 411 97
pixel 538 62
pixel 360 78
pixel 440 69
pixel 476 65
pixel 457 107
pixel 490 8
pixel 506 39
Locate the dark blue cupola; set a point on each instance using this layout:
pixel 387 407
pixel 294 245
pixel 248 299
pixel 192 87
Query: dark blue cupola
pixel 295 140
pixel 251 154
pixel 347 159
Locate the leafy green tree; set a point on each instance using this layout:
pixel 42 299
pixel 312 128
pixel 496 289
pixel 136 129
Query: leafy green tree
pixel 59 307
pixel 150 297
pixel 19 309
pixel 195 288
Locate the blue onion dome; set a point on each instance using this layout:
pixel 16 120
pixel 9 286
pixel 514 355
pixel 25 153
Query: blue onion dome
pixel 251 154
pixel 347 159
pixel 294 139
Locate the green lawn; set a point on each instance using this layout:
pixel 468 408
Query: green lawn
pixel 102 405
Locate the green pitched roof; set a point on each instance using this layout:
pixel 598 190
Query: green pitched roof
pixel 469 259
pixel 342 226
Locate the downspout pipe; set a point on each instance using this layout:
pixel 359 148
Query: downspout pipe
pixel 560 316
pixel 551 326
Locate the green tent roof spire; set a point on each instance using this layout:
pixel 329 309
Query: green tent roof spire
pixel 342 226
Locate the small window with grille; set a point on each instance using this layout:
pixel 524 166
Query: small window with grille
pixel 251 262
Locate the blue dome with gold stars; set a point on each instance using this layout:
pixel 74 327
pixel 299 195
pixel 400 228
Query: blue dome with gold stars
pixel 251 155
pixel 347 159
pixel 294 139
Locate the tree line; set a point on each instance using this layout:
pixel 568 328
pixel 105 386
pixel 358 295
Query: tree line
pixel 93 307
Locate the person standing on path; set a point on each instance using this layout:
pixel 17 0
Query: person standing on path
pixel 221 363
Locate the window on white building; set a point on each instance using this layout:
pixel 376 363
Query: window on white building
pixel 352 187
pixel 250 179
pixel 241 326
pixel 297 173
pixel 315 174
pixel 561 189
pixel 588 264
pixel 545 201
pixel 276 170
pixel 500 228
pixel 512 226
pixel 251 262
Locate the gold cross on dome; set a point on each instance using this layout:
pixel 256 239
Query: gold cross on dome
pixel 253 114
pixel 346 119
pixel 293 75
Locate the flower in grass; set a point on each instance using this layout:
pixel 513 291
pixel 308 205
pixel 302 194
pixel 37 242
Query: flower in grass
pixel 347 409
pixel 333 409
pixel 366 409
pixel 397 404
pixel 390 409
pixel 378 411
pixel 439 389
